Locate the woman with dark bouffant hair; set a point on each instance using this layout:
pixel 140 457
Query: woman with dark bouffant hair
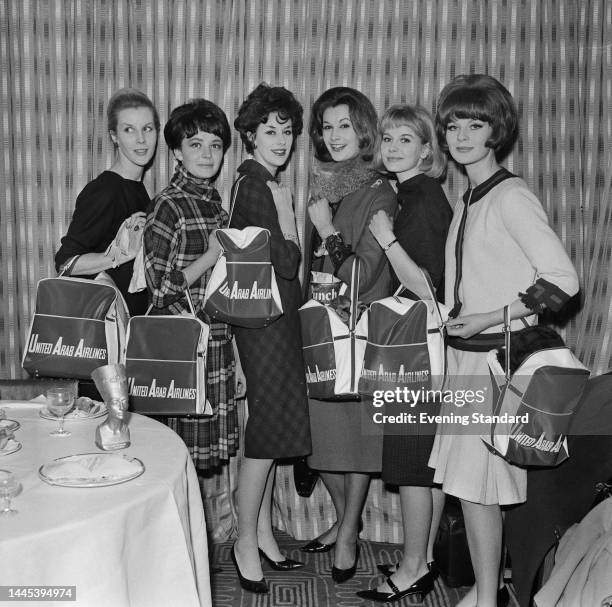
pixel 346 192
pixel 269 121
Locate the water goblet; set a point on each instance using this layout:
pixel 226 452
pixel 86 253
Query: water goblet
pixel 59 402
pixel 9 488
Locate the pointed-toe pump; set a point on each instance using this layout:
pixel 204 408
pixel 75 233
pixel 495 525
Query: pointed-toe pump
pixel 316 546
pixel 344 575
pixel 423 586
pixel 285 565
pixel 256 586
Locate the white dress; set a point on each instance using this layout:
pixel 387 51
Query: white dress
pixel 507 246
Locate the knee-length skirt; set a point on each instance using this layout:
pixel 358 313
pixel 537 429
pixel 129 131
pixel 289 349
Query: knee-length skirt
pixel 463 465
pixel 277 425
pixel 407 445
pixel 213 440
pixel 344 437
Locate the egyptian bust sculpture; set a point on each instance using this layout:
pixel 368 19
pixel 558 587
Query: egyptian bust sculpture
pixel 111 382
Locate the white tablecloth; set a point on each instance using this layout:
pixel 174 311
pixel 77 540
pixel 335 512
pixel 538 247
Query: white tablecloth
pixel 140 543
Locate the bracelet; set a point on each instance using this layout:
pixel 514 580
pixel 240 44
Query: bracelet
pixel 292 237
pixel 387 247
pixel 337 249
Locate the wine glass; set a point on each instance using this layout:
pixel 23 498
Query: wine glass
pixel 9 487
pixel 59 402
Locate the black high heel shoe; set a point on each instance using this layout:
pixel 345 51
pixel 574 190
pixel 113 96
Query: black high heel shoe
pixel 316 546
pixel 389 570
pixel 285 565
pixel 344 575
pixel 256 586
pixel 423 586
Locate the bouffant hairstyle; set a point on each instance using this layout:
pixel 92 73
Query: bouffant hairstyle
pixel 419 120
pixel 361 112
pixel 479 97
pixel 260 103
pixel 124 99
pixel 196 115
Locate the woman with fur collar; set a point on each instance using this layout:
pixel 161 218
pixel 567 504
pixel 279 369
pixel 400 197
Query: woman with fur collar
pixel 346 191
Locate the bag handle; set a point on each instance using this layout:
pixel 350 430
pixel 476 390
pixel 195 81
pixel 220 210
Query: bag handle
pixel 189 303
pixel 66 269
pixel 507 332
pixel 430 290
pixel 233 202
pixel 432 294
pixel 507 341
pixel 355 272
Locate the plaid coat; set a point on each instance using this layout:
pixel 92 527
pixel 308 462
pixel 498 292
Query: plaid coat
pixel 180 220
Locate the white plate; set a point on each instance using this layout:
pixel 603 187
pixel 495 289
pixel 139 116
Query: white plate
pixel 10 424
pixel 76 415
pixel 87 459
pixel 11 447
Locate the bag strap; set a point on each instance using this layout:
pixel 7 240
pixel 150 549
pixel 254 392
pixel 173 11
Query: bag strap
pixel 66 269
pixel 430 290
pixel 189 303
pixel 432 294
pixel 507 341
pixel 355 271
pixel 233 202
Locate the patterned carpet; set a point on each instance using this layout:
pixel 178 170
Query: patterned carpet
pixel 312 585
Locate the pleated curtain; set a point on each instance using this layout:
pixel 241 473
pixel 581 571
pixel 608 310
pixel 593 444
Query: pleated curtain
pixel 61 60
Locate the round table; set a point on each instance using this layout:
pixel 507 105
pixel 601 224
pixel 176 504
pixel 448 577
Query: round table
pixel 139 543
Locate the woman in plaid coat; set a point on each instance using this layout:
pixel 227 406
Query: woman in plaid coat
pixel 180 251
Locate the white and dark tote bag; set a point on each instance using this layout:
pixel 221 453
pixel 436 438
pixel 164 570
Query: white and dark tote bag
pixel 165 363
pixel 79 325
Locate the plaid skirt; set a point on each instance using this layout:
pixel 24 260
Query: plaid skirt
pixel 213 440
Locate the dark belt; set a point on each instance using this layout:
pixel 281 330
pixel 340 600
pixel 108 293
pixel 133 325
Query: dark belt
pixel 483 342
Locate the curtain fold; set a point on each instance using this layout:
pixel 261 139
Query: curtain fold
pixel 61 61
pixel 594 326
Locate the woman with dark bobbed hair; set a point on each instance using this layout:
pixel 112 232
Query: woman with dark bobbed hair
pixel 346 192
pixel 269 121
pixel 500 251
pixel 180 250
pixel 116 194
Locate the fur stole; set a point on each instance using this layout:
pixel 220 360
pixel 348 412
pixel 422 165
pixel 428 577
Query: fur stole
pixel 334 180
